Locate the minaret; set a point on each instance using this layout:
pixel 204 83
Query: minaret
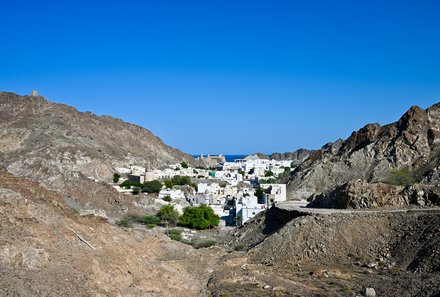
pixel 34 93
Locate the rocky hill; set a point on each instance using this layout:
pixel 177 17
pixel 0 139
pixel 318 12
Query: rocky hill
pixel 60 147
pixel 43 251
pixel 336 254
pixel 299 155
pixel 373 153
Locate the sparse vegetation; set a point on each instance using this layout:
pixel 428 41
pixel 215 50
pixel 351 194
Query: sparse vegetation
pixel 268 173
pixel 136 190
pixel 400 177
pixel 167 198
pixel 149 221
pixel 239 247
pixel 205 244
pixel 124 222
pixel 184 165
pixel 116 177
pixel 175 234
pixel 129 184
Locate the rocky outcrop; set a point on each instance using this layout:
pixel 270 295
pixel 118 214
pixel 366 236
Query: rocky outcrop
pixel 298 155
pixel 361 194
pixel 358 248
pixel 370 154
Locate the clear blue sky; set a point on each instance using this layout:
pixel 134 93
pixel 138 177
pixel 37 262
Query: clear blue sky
pixel 219 76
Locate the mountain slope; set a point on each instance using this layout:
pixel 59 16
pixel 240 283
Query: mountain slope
pixel 59 146
pixel 412 143
pixel 41 255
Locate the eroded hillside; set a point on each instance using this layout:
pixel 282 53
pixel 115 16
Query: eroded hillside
pixel 41 255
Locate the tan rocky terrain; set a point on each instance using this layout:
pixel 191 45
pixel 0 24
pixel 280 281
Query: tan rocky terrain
pixel 41 255
pixel 370 154
pixel 291 253
pixel 60 147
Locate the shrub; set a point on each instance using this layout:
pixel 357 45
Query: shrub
pixel 168 213
pixel 259 194
pixel 168 184
pixel 153 186
pixel 128 220
pixel 239 247
pixel 116 177
pixel 175 234
pixel 150 220
pixel 136 190
pixel 184 165
pixel 167 198
pixel 200 217
pixel 128 184
pixel 178 180
pixel 125 222
pixel 205 244
pixel 269 173
pixel 400 177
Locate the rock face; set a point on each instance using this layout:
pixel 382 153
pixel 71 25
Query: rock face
pixel 298 155
pixel 358 249
pixel 370 154
pixel 361 194
pixel 60 147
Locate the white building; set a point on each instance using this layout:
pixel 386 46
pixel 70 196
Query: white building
pixel 205 188
pixel 274 192
pixel 173 193
pixel 247 207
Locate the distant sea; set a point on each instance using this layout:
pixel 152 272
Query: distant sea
pixel 229 158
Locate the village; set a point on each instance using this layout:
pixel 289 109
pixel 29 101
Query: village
pixel 236 191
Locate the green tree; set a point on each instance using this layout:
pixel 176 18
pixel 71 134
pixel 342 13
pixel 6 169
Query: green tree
pixel 168 213
pixel 168 183
pixel 153 186
pixel 184 165
pixel 168 198
pixel 269 173
pixel 259 194
pixel 181 180
pixel 128 184
pixel 116 177
pixel 200 217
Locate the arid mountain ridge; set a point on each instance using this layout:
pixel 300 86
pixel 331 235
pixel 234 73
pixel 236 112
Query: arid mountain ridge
pixel 372 153
pixel 60 147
